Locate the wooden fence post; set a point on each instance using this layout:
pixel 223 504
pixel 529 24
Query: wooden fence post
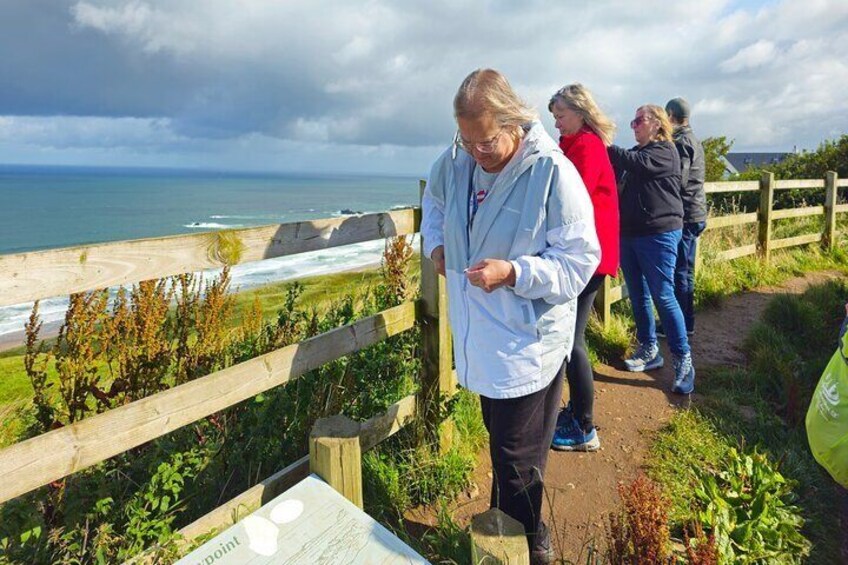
pixel 438 382
pixel 766 201
pixel 831 199
pixel 335 455
pixel 497 539
pixel 603 303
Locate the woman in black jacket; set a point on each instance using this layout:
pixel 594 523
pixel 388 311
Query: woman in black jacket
pixel 651 227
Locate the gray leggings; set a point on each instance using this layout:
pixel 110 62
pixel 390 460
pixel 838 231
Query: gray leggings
pixel 581 381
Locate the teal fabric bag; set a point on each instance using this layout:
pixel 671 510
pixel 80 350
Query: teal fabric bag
pixel 827 417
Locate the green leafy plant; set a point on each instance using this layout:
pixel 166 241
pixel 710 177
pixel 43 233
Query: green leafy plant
pixel 747 506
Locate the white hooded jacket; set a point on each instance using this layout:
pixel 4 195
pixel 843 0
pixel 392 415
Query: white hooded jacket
pixel 538 215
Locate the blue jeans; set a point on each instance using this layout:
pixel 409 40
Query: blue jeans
pixel 684 272
pixel 648 265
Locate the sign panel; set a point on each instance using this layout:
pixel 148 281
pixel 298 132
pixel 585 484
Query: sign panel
pixel 309 524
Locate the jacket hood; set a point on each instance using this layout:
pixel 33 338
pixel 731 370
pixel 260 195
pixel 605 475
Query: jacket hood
pixel 536 143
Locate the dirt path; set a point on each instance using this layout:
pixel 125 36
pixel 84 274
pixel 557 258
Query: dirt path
pixel 629 409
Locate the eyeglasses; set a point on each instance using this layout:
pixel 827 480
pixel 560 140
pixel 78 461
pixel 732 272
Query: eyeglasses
pixel 634 123
pixel 481 146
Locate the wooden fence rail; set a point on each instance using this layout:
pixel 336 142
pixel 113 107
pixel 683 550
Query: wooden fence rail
pixel 44 274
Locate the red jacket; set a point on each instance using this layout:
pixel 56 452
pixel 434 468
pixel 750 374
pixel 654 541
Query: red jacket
pixel 589 155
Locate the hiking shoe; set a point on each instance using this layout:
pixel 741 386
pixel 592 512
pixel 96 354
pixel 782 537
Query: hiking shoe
pixel 541 552
pixel 684 374
pixel 661 332
pixel 645 358
pixel 575 439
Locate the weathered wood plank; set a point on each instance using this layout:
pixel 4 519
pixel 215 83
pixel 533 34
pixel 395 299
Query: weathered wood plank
pixel 335 455
pixel 731 186
pixel 797 240
pixel 841 208
pixel 797 212
pixel 831 197
pixel 736 252
pixel 43 274
pixel 765 211
pixel 438 381
pixel 498 539
pixel 372 432
pixel 798 183
pixel 734 220
pixel 618 293
pixel 56 454
pixel 376 429
pixel 603 303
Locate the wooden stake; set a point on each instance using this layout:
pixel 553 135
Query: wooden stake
pixel 831 198
pixel 336 457
pixel 498 539
pixel 438 381
pixel 766 201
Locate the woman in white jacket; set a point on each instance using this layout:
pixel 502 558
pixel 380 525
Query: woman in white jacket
pixel 508 221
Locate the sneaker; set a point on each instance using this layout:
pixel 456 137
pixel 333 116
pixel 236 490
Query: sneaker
pixel 575 439
pixel 684 374
pixel 541 552
pixel 645 358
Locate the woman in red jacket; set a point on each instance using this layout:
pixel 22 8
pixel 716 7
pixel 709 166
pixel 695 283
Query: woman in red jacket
pixel 585 133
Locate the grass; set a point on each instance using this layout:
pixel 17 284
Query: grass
pixel 762 406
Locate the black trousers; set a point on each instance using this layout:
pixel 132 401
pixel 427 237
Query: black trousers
pixel 581 379
pixel 520 434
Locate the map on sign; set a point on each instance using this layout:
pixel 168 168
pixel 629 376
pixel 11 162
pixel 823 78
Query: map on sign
pixel 308 524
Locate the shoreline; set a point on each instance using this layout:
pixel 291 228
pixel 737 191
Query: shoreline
pixel 50 330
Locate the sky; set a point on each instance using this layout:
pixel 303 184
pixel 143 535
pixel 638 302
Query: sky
pixel 367 86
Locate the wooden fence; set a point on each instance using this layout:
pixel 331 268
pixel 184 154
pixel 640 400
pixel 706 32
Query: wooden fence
pixel 30 276
pixel 39 461
pixel 764 218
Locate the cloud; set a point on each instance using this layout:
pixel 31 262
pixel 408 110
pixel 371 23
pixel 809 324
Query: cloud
pixel 753 55
pixel 210 75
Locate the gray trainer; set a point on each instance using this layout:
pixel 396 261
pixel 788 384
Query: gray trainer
pixel 645 358
pixel 684 374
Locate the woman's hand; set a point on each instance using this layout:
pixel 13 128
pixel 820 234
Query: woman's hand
pixel 490 274
pixel 438 258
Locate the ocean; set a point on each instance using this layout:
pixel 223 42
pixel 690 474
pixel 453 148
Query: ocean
pixel 51 207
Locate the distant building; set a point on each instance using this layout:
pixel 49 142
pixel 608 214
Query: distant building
pixel 735 163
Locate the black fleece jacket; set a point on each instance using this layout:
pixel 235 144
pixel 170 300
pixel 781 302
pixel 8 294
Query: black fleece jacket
pixel 650 201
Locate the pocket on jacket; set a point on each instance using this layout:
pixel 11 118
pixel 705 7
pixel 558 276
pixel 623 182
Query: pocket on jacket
pixel 503 339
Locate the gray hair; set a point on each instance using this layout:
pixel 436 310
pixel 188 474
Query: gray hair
pixel 486 91
pixel 578 99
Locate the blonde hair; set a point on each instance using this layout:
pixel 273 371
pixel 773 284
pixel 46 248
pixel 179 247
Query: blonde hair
pixel 578 99
pixel 486 91
pixel 658 113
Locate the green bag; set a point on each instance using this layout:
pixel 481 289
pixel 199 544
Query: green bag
pixel 827 417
